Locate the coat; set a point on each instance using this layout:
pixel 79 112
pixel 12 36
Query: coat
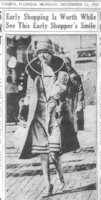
pixel 69 138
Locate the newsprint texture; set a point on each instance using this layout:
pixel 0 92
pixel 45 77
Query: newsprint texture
pixel 50 100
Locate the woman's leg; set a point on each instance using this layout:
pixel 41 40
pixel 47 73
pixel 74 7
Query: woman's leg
pixel 45 167
pixel 57 162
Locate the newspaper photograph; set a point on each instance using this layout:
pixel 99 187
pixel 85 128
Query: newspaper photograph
pixel 50 141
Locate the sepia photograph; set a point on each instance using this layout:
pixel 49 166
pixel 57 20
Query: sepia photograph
pixel 51 114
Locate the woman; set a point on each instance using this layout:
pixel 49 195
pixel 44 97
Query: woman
pixel 37 141
pixel 42 75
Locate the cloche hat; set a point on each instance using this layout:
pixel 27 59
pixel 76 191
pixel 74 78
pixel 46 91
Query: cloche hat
pixel 45 45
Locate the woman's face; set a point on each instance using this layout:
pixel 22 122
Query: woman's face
pixel 45 57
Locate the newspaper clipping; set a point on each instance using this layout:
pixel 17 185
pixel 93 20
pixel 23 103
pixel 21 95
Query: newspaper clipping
pixel 50 100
